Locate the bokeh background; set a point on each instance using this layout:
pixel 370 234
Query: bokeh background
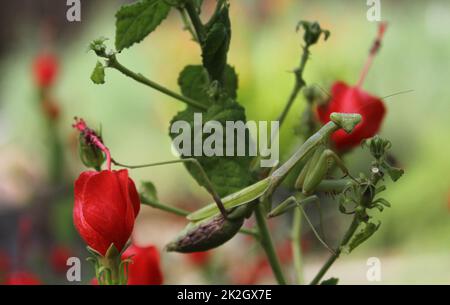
pixel 36 230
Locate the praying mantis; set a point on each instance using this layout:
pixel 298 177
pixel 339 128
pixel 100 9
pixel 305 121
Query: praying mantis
pixel 218 222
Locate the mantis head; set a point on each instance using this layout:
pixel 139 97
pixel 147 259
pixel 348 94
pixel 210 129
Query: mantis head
pixel 346 121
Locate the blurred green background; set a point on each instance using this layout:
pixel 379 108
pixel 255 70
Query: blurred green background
pixel 413 242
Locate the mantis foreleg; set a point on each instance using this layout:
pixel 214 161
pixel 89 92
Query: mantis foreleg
pixel 317 169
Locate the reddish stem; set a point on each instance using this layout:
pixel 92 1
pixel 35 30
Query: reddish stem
pixel 373 52
pixel 93 138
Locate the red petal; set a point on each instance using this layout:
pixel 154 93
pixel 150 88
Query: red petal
pixel 90 236
pixel 106 207
pixel 145 269
pixel 134 197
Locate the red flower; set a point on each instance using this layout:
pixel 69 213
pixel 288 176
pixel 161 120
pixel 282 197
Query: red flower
pixel 58 258
pixel 199 258
pixel 106 205
pixel 348 99
pixel 45 68
pixel 145 268
pixel 22 278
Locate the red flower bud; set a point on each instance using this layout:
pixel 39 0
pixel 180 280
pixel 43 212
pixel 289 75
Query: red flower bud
pixel 145 268
pixel 22 278
pixel 348 99
pixel 106 205
pixel 45 68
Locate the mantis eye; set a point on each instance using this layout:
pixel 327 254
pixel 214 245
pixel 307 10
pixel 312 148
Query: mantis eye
pixel 346 121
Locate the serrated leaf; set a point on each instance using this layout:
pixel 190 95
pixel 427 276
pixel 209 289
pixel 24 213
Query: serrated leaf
pixel 231 81
pixel 98 75
pixel 227 174
pixel 216 45
pixel 330 281
pixel 135 21
pixel 364 233
pixel 194 83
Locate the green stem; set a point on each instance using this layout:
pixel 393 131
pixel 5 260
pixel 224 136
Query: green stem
pixel 299 84
pixel 266 243
pixel 187 24
pixel 195 19
pixel 114 63
pixel 348 235
pixel 56 156
pixel 297 246
pixel 163 207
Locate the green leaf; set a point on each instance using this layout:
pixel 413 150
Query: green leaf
pixel 227 174
pixel 393 172
pixel 216 46
pixel 149 192
pixel 231 81
pixel 135 21
pixel 194 83
pixel 330 281
pixel 364 233
pixel 383 202
pixel 98 75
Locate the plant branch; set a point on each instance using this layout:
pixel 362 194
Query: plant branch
pixel 266 243
pixel 161 206
pixel 114 63
pixel 348 235
pixel 299 84
pixel 187 24
pixel 195 20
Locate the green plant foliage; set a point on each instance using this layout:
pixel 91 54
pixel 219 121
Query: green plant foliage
pixel 134 22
